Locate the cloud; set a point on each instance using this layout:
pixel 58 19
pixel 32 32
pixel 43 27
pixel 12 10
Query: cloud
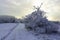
pixel 53 9
pixel 20 8
pixel 14 7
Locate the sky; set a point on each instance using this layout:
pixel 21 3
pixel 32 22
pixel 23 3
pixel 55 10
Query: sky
pixel 20 8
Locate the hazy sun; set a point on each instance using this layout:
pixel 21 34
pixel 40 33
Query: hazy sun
pixel 37 2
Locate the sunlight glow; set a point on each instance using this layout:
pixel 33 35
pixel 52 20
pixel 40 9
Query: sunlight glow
pixel 37 2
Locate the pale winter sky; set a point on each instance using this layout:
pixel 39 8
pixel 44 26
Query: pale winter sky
pixel 21 8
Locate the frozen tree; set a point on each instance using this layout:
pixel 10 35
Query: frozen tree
pixel 38 22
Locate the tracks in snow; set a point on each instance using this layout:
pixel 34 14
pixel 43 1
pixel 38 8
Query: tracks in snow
pixel 3 38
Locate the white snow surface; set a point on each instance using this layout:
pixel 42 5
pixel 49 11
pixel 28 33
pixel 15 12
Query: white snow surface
pixel 20 33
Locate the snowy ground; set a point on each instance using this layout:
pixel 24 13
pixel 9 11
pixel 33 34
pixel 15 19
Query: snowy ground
pixel 20 33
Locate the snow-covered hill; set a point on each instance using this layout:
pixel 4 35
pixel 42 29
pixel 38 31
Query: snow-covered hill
pixel 20 33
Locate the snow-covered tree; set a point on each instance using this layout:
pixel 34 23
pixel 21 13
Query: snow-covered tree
pixel 38 22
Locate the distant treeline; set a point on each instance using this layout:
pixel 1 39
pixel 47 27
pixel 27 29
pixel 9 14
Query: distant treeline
pixel 8 19
pixel 12 19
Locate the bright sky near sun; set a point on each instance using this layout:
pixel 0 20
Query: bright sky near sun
pixel 20 8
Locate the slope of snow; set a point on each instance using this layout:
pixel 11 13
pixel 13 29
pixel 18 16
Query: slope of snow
pixel 20 33
pixel 5 28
